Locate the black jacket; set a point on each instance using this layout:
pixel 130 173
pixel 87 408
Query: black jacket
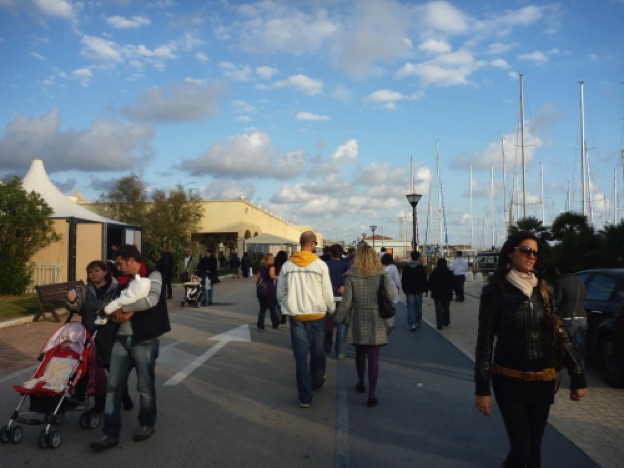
pixel 522 333
pixel 207 266
pixel 440 284
pixel 414 278
pixel 570 296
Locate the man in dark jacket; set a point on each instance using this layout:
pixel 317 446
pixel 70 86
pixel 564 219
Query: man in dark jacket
pixel 165 267
pixel 570 300
pixel 136 344
pixel 414 284
pixel 207 269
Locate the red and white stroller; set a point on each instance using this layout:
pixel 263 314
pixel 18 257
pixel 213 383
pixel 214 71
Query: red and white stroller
pixel 58 385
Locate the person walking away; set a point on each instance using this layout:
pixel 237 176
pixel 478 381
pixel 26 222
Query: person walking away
pixel 207 270
pixel 101 288
pixel 440 283
pixel 187 266
pixel 266 292
pixel 274 271
pixel 245 264
pixel 395 280
pixel 414 284
pixel 459 267
pixel 326 256
pixel 235 264
pixel 359 309
pixel 165 266
pixel 337 267
pixel 570 305
pixel 136 344
pixel 304 291
pixel 514 350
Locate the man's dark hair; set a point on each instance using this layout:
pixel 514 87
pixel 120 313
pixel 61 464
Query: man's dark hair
pixel 383 249
pixel 336 250
pixel 126 252
pixel 415 255
pixel 564 266
pixel 460 253
pixel 326 249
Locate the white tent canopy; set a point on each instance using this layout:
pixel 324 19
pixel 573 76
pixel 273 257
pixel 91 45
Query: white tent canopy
pixel 270 239
pixel 37 180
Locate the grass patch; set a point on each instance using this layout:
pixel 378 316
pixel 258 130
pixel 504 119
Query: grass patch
pixel 12 307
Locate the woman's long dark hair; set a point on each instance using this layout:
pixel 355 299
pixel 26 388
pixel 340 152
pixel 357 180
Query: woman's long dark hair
pixel 513 241
pixel 280 259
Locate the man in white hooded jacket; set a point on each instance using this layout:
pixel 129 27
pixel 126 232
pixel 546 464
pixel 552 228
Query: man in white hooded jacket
pixel 305 294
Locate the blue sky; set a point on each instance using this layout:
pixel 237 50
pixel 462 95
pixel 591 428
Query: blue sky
pixel 313 109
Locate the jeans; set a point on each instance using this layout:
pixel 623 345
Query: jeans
pixel 577 328
pixel 443 312
pixel 125 354
pixel 414 308
pixel 208 293
pixel 341 331
pixel 269 303
pixel 307 338
pixel 458 287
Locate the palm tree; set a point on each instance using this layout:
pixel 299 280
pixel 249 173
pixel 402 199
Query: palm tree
pixel 611 240
pixel 531 223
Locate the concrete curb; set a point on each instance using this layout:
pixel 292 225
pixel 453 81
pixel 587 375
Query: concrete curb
pixel 28 319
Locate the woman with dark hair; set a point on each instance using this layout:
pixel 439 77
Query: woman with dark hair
pixel 395 279
pixel 359 309
pixel 101 288
pixel 280 259
pixel 266 292
pixel 516 349
pixel 440 284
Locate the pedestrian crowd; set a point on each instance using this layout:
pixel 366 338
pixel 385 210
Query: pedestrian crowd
pixel 527 331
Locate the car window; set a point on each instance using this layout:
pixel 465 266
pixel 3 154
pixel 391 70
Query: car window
pixel 602 289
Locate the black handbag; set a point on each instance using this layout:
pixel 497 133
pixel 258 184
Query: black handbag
pixel 386 306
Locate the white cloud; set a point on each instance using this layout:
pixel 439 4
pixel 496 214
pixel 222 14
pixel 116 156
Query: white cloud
pixel 107 146
pixel 347 152
pixel 445 70
pixel 83 75
pixel 389 99
pixel 100 49
pixel 311 116
pixel 201 57
pixel 182 102
pixel 435 46
pixel 302 83
pixel 246 156
pixel 535 57
pixel 121 22
pixel 443 16
pixel 236 72
pixel 266 72
pixel 500 63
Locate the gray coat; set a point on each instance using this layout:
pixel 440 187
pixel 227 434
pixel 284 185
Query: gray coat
pixel 360 311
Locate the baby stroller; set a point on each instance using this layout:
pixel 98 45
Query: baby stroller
pixel 58 385
pixel 192 292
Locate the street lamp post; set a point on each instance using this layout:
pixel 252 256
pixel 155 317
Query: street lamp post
pixel 373 229
pixel 363 236
pixel 413 199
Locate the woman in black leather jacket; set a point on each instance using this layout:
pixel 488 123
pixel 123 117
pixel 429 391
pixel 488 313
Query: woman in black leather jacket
pixel 514 350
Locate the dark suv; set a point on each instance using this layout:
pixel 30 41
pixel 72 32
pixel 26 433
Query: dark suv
pixel 604 305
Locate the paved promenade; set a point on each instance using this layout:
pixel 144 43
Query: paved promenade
pixel 594 425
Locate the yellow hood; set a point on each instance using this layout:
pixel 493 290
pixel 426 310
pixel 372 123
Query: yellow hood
pixel 303 258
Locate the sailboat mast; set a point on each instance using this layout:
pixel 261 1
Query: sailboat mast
pixel 542 192
pixel 615 197
pixel 583 154
pixel 471 220
pixel 524 194
pixel 504 184
pixel 492 201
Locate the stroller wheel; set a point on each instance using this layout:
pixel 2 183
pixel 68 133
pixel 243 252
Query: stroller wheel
pixel 54 439
pixel 15 434
pixel 4 434
pixel 83 420
pixel 42 440
pixel 93 420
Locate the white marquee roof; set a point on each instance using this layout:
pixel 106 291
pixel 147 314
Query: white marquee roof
pixel 37 180
pixel 270 239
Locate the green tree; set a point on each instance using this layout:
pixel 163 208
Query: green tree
pixel 531 223
pixel 166 218
pixel 575 240
pixel 25 228
pixel 611 240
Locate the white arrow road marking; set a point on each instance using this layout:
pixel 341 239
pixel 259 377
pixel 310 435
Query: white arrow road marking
pixel 236 334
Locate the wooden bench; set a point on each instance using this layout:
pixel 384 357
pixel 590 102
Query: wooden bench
pixel 51 294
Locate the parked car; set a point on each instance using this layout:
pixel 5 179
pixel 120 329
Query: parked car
pixel 486 262
pixel 604 306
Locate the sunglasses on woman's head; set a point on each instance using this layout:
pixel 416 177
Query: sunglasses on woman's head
pixel 527 251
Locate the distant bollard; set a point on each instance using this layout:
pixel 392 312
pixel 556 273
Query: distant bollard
pixel 478 277
pixel 469 276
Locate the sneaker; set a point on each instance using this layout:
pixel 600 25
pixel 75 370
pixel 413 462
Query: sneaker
pixel 325 380
pixel 104 443
pixel 143 433
pixel 413 328
pixel 304 405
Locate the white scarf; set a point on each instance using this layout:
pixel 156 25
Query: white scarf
pixel 525 282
